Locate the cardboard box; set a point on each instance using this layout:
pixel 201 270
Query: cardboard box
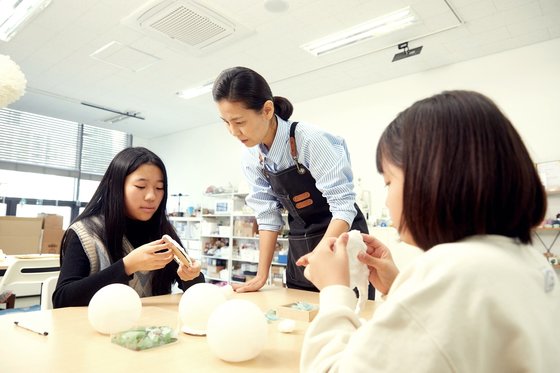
pixel 51 221
pixel 50 243
pixel 245 228
pixel 20 235
pixel 289 311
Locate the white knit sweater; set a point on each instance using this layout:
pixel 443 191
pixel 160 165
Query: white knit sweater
pixel 485 304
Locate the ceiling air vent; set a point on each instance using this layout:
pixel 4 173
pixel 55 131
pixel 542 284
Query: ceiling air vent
pixel 186 24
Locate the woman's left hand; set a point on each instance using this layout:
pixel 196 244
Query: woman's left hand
pixel 327 264
pixel 190 272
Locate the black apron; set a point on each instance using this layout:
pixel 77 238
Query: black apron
pixel 308 214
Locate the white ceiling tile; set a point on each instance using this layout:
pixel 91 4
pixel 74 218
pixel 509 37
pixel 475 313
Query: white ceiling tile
pixel 54 49
pixel 516 14
pixel 476 9
pixel 522 27
pixel 509 4
pixel 486 24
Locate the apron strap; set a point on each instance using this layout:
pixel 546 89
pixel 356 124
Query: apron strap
pixel 293 148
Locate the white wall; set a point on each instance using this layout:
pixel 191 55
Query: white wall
pixel 198 158
pixel 523 82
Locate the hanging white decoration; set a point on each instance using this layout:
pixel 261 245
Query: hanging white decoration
pixel 12 81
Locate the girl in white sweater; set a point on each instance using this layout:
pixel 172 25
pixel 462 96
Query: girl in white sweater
pixel 462 187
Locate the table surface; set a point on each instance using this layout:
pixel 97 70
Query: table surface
pixel 72 345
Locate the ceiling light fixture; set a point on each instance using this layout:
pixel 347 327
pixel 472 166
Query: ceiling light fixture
pixel 373 28
pixel 196 91
pixel 14 14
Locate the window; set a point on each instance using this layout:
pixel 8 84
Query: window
pixel 44 158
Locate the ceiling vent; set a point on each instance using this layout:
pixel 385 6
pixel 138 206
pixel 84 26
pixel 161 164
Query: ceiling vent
pixel 186 24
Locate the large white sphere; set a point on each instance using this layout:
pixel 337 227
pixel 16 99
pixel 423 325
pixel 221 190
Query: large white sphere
pixel 237 331
pixel 114 308
pixel 196 305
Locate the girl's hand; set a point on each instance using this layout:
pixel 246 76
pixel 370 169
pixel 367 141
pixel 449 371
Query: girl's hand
pixel 147 257
pixel 327 264
pixel 382 268
pixel 187 273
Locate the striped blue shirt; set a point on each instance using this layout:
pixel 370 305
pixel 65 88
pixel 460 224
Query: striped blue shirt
pixel 327 158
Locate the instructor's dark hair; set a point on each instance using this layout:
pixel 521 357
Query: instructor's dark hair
pixel 241 84
pixel 466 171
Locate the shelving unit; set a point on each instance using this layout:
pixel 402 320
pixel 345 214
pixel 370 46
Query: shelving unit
pixel 188 230
pixel 225 237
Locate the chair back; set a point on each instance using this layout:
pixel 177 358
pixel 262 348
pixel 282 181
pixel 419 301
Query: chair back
pixel 25 276
pixel 47 290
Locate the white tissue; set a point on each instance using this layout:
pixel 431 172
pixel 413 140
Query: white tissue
pixel 359 272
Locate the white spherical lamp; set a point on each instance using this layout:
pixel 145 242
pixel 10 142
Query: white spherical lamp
pixel 237 331
pixel 114 308
pixel 196 305
pixel 12 81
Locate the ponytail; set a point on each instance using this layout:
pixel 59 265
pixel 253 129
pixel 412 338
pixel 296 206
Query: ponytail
pixel 282 107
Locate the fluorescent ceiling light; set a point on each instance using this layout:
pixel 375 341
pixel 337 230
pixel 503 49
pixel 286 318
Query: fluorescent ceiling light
pixel 196 91
pixel 16 13
pixel 376 27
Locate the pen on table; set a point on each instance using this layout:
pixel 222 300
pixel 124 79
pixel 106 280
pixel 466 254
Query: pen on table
pixel 31 330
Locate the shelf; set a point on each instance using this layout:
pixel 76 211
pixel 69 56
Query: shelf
pixel 215 279
pixel 279 239
pixel 226 217
pixel 243 215
pixel 213 257
pixel 185 218
pixel 238 259
pixel 225 195
pixel 547 229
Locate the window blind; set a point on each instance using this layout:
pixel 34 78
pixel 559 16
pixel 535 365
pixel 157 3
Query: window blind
pixel 99 147
pixel 41 144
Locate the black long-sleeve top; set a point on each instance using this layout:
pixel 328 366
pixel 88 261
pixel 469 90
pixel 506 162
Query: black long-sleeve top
pixel 76 287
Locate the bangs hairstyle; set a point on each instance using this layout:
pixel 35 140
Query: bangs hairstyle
pixel 466 171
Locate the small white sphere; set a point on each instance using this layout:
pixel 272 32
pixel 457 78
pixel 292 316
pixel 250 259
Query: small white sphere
pixel 237 331
pixel 196 305
pixel 228 291
pixel 114 308
pixel 287 326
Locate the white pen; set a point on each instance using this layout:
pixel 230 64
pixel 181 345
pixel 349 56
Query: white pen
pixel 31 330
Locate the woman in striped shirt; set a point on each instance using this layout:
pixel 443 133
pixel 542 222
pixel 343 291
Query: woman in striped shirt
pixel 288 165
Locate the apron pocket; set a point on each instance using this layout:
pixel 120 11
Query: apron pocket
pixel 299 246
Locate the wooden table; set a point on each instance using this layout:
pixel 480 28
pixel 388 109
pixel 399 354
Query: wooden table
pixel 72 345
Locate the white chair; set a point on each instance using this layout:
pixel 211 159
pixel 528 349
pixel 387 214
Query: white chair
pixel 25 276
pixel 47 290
